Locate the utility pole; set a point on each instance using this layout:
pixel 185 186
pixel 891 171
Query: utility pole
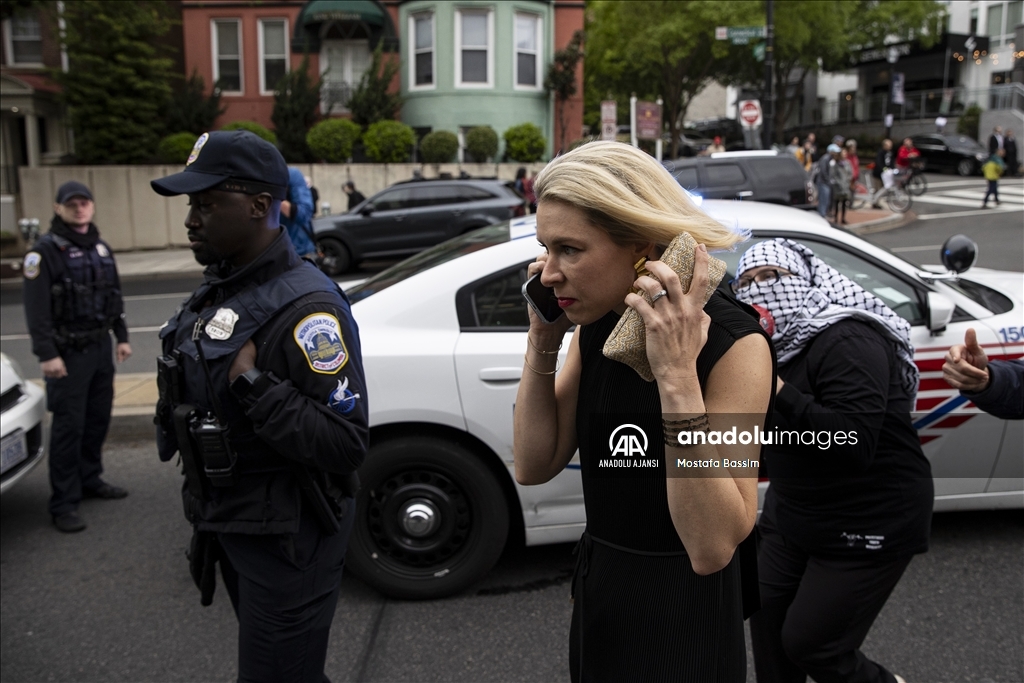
pixel 769 90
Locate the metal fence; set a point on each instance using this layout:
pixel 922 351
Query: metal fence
pixel 917 106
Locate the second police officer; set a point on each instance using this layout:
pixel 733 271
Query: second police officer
pixel 263 396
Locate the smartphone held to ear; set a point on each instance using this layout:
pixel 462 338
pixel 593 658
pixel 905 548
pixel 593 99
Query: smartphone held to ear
pixel 542 299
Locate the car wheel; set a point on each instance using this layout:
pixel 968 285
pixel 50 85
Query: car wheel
pixel 431 519
pixel 336 257
pixel 965 167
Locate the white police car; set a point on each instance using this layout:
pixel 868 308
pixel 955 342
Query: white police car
pixel 22 409
pixel 443 337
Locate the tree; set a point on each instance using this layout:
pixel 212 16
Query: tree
pixel 296 105
pixel 828 35
pixel 118 79
pixel 371 100
pixel 191 109
pixel 659 47
pixel 561 78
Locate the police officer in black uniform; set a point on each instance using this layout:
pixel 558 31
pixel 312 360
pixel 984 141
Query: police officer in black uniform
pixel 72 302
pixel 263 396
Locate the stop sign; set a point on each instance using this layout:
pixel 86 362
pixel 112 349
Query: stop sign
pixel 750 113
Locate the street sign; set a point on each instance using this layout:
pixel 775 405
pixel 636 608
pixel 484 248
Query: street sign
pixel 609 119
pixel 759 52
pixel 750 113
pixel 648 120
pixel 740 35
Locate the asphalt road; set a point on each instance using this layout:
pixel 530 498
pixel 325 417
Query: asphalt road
pixel 116 603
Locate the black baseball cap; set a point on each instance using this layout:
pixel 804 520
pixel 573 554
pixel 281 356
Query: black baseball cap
pixel 73 188
pixel 229 160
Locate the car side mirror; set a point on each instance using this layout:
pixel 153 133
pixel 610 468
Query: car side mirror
pixel 368 209
pixel 959 253
pixel 940 311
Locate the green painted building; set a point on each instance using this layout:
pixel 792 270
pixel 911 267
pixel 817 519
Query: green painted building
pixel 477 62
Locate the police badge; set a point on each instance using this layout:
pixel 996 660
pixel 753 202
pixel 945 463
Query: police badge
pixel 222 324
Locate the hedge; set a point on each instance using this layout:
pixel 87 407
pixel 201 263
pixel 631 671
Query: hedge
pixel 525 143
pixel 332 139
pixel 389 142
pixel 175 148
pixel 253 127
pixel 439 147
pixel 481 143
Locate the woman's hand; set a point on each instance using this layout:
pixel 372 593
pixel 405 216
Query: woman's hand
pixel 676 325
pixel 543 334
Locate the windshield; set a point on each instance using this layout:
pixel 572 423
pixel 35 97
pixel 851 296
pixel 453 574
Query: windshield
pixel 474 240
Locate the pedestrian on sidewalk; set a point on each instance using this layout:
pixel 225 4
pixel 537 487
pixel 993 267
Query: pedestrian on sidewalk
pixel 842 179
pixel 851 156
pixel 822 174
pixel 265 402
pixel 992 170
pixel 297 214
pixel 1012 161
pixel 72 303
pixel 355 197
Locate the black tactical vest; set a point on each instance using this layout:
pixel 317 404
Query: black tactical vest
pixel 84 292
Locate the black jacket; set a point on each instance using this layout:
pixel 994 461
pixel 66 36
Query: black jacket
pixel 873 496
pixel 315 415
pixel 884 159
pixel 71 286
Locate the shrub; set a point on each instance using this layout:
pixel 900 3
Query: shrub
pixel 481 143
pixel 296 109
pixel 389 142
pixel 525 143
pixel 252 127
pixel 174 149
pixel 969 121
pixel 439 147
pixel 332 140
pixel 372 100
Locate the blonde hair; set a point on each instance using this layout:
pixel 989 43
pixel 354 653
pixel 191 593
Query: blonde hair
pixel 629 195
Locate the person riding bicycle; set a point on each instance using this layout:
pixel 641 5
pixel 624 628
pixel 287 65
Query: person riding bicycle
pixel 906 155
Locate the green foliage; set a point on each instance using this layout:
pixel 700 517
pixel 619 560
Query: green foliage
pixel 969 121
pixel 119 78
pixel 332 140
pixel 175 148
pixel 525 143
pixel 192 109
pixel 656 48
pixel 481 143
pixel 296 103
pixel 252 127
pixel 389 142
pixel 561 77
pixel 370 101
pixel 439 147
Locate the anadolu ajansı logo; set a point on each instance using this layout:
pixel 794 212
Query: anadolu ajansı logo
pixel 627 447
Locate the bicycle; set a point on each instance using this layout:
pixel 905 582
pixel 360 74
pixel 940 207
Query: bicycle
pixel 895 196
pixel 913 179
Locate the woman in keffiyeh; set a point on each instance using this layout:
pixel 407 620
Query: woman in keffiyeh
pixel 851 492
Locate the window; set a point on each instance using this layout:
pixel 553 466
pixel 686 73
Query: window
pixel 973 30
pixel 1013 17
pixel 422 29
pixel 473 37
pixel 499 302
pixel 227 55
pixel 687 177
pixel 25 42
pixel 273 53
pixel 395 200
pixel 724 174
pixel 994 27
pixel 528 59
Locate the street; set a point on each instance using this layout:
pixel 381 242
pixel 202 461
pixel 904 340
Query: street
pixel 116 602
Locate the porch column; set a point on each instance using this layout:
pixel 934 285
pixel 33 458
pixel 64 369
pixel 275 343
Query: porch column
pixel 32 139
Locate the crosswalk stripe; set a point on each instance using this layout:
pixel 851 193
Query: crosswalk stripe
pixel 959 214
pixel 957 201
pixel 979 195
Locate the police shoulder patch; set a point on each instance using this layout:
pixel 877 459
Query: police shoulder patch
pixel 319 337
pixel 31 266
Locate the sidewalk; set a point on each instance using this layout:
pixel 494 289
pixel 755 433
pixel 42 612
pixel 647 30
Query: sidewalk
pixel 135 394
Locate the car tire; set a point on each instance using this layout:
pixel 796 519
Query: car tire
pixel 337 259
pixel 965 167
pixel 431 519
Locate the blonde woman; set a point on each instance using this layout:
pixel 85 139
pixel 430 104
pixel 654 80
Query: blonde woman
pixel 657 586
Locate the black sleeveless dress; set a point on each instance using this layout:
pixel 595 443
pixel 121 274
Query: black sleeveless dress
pixel 641 613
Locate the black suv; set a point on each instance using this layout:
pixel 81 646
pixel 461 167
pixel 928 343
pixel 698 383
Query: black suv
pixel 411 216
pixel 757 176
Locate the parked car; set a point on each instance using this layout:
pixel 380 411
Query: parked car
pixel 443 337
pixel 951 153
pixel 762 176
pixel 691 141
pixel 22 409
pixel 411 216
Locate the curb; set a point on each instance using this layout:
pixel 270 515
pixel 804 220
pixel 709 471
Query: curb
pixel 891 222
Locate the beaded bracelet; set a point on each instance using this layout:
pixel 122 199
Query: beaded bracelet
pixel 672 428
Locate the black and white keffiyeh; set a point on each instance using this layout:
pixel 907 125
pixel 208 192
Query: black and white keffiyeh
pixel 815 297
